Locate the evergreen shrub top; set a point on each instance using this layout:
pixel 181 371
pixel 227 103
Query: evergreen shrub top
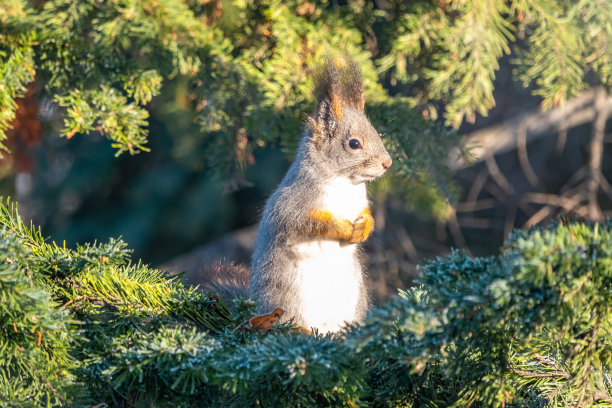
pixel 531 327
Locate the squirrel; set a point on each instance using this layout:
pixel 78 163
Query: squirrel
pixel 306 259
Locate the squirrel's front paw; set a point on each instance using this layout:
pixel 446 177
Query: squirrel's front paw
pixel 362 228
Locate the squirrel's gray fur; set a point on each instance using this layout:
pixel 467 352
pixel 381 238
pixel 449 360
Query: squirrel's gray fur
pixel 292 268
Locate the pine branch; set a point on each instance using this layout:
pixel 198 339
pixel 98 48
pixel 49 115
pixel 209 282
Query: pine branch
pixel 529 325
pixel 553 57
pixel 16 71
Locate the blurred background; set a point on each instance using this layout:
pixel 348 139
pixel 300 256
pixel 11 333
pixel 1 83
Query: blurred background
pixel 532 145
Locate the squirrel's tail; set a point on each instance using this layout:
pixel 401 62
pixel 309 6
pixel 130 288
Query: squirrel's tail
pixel 228 279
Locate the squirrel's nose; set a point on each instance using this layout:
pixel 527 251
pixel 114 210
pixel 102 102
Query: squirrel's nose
pixel 387 163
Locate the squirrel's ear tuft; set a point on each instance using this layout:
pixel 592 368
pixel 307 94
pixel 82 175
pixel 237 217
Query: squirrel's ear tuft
pixel 338 85
pixel 339 82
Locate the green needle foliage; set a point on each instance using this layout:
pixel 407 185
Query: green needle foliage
pixel 35 365
pixel 449 51
pixel 248 66
pixel 531 327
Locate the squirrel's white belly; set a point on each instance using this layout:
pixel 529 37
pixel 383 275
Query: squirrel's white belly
pixel 345 199
pixel 328 273
pixel 329 278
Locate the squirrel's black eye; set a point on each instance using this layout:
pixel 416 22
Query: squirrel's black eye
pixel 354 144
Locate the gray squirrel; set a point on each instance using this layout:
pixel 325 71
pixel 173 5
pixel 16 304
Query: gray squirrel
pixel 307 257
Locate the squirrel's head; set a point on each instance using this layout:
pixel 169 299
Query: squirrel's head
pixel 339 131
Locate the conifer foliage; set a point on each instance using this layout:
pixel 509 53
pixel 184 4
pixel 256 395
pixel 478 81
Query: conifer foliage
pixel 529 327
pixel 250 66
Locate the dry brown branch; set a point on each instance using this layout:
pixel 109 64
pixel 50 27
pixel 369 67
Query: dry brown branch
pixel 582 211
pixel 525 207
pixel 558 372
pixel 521 149
pixel 576 178
pixel 549 362
pixel 568 203
pixel 605 186
pixel 477 185
pixel 470 206
pixel 575 192
pixel 496 191
pixel 498 176
pixel 502 138
pixel 538 216
pixel 455 229
pixel 596 154
pixel 561 140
